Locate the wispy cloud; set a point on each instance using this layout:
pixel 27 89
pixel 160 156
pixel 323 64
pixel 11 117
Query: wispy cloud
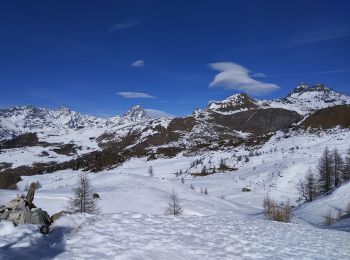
pixel 127 94
pixel 320 35
pixel 309 73
pixel 234 76
pixel 155 113
pixel 138 63
pixel 122 26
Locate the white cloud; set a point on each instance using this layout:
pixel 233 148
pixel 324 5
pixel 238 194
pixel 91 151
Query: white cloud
pixel 138 63
pixel 154 113
pixel 234 76
pixel 127 94
pixel 323 34
pixel 122 26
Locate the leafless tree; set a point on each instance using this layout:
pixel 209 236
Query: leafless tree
pixel 307 188
pixel 192 187
pixel 205 191
pixel 150 171
pixel 83 200
pixel 174 205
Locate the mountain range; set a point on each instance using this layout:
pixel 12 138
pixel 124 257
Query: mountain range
pixel 50 140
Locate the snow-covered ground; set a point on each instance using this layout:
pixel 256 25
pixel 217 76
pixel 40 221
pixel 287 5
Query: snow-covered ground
pixel 225 224
pixel 141 236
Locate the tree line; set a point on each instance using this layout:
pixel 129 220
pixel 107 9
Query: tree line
pixel 332 171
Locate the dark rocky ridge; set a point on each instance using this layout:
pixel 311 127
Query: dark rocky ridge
pixel 258 121
pixel 329 117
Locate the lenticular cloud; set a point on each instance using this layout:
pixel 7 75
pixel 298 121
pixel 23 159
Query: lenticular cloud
pixel 234 76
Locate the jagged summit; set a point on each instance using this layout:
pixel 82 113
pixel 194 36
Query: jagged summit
pixel 136 113
pixel 305 99
pixel 233 103
pixel 305 88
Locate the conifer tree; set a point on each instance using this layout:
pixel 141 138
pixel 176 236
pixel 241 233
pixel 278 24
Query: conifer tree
pixel 346 169
pixel 338 166
pixel 325 172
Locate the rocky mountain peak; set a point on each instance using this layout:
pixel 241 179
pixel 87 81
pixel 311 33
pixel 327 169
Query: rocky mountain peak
pixel 136 113
pixel 303 88
pixel 64 110
pixel 235 102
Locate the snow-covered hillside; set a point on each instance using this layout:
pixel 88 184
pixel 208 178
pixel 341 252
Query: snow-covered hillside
pixel 206 151
pixel 275 168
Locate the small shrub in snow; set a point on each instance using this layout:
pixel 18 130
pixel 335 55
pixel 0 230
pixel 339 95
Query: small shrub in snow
pixel 192 187
pixel 182 180
pixel 328 219
pixel 277 212
pixel 150 171
pixel 205 191
pixel 339 214
pixel 38 185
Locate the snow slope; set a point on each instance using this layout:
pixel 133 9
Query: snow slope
pixel 139 236
pixel 225 224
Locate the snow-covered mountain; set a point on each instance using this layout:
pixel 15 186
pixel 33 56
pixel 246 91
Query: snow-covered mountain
pixel 64 135
pixel 136 113
pixel 233 104
pixel 19 120
pixel 304 99
pixel 239 150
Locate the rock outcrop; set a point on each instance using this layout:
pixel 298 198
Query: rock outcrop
pixel 22 210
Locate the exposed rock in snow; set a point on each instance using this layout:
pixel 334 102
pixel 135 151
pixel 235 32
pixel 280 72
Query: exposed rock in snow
pixel 136 113
pixel 21 210
pixel 233 104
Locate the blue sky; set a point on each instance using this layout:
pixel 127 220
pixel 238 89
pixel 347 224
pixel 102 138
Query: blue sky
pixel 101 57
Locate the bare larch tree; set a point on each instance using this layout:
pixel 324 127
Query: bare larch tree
pixel 150 171
pixel 83 200
pixel 174 205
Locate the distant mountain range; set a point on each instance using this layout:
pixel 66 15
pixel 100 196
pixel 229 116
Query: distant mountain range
pixel 304 99
pixel 49 140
